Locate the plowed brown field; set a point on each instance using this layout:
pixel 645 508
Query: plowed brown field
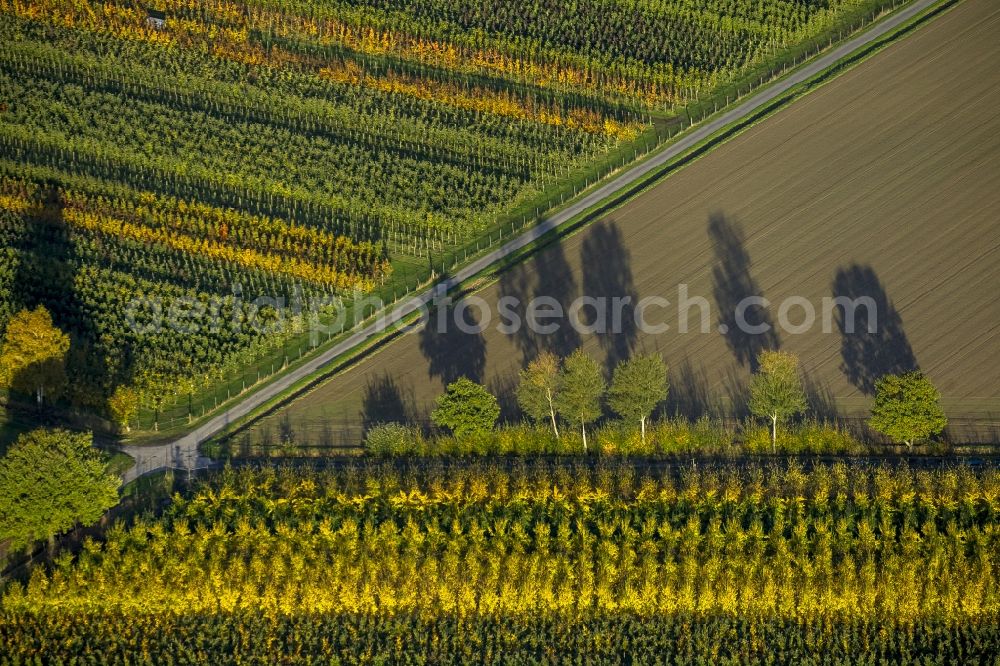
pixel 885 182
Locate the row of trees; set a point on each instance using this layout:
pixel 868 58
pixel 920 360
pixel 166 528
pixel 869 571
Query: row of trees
pixel 485 542
pixel 549 390
pixel 233 638
pixel 657 53
pixel 906 407
pixel 23 237
pixel 270 105
pixel 141 135
pixel 204 225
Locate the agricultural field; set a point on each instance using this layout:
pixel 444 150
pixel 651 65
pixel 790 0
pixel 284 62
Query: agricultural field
pixel 306 150
pixel 533 562
pixel 878 184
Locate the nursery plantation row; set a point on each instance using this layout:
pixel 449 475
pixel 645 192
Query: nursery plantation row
pixel 528 561
pixel 239 150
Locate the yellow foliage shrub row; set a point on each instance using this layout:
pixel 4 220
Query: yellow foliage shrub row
pixel 232 43
pixel 126 22
pixel 649 85
pixel 478 100
pixel 233 227
pixel 248 258
pixel 876 544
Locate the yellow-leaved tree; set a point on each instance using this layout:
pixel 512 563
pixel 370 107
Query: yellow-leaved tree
pixel 33 354
pixel 123 405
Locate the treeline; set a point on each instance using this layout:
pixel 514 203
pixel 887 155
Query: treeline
pixel 555 392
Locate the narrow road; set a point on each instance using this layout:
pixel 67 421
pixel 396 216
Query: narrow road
pixel 183 452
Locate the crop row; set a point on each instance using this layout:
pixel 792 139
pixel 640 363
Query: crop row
pixel 341 176
pixel 832 541
pixel 139 258
pixel 337 100
pixel 679 639
pixel 653 52
pixel 113 229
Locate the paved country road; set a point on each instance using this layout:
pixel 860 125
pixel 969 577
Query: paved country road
pixel 183 452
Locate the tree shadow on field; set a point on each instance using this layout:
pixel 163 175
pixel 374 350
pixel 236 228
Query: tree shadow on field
pixel 873 342
pixel 607 277
pixel 45 276
pixel 287 434
pixel 450 351
pixel 732 283
pixel 386 402
pixel 736 385
pixel 325 438
pixel 504 387
pixel 265 437
pixel 820 398
pixel 517 288
pixel 688 396
pixel 547 275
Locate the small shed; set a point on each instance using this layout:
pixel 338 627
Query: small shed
pixel 156 19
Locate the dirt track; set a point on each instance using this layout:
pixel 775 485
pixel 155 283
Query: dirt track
pixel 883 183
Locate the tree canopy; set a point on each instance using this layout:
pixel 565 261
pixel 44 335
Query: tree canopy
pixel 581 388
pixel 906 408
pixel 638 385
pixel 776 390
pixel 538 388
pixel 33 354
pixel 123 405
pixel 466 408
pixel 51 480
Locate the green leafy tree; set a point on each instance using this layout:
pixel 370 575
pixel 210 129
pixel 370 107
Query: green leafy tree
pixel 581 388
pixel 33 354
pixel 906 408
pixel 776 390
pixel 466 408
pixel 638 385
pixel 51 480
pixel 123 405
pixel 538 388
